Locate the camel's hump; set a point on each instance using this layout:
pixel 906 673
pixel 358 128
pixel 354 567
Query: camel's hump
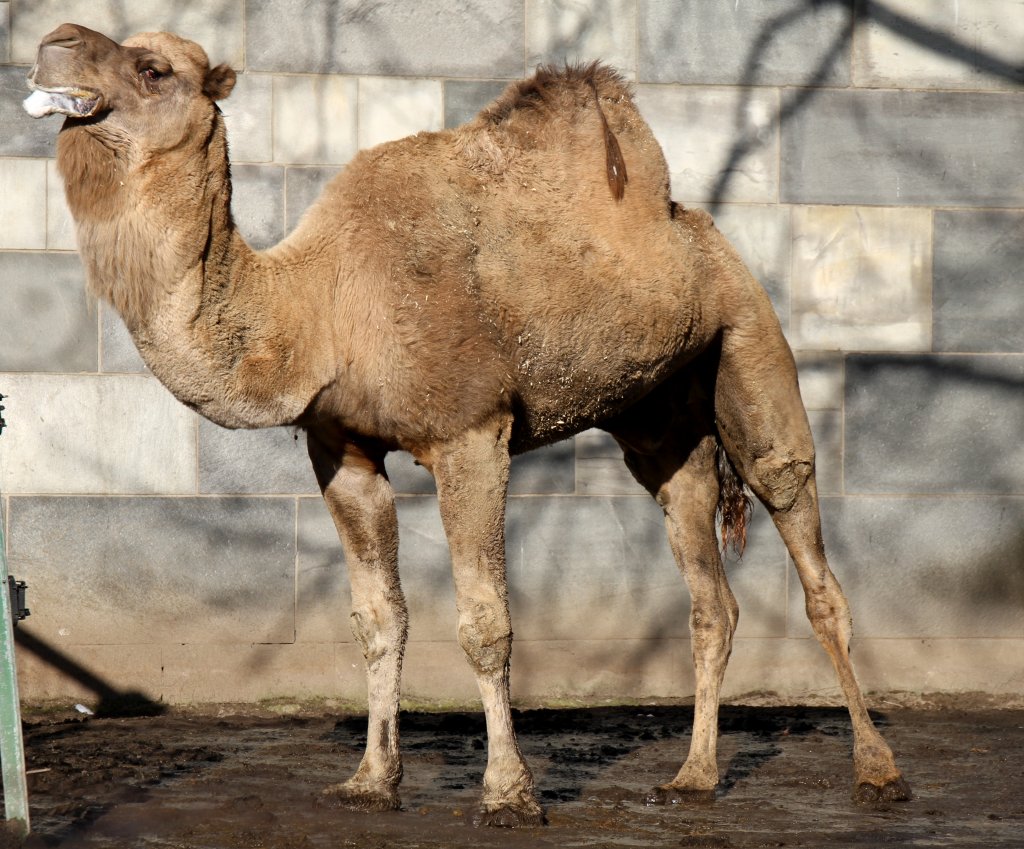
pixel 548 87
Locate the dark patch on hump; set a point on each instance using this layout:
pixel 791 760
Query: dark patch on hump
pixel 615 164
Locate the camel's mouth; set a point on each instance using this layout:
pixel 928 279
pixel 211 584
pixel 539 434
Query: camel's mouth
pixel 63 100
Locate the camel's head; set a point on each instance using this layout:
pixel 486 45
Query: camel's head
pixel 152 88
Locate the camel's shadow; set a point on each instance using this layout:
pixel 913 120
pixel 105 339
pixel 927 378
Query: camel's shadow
pixel 604 752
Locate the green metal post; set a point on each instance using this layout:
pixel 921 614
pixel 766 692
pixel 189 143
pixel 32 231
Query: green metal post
pixel 12 748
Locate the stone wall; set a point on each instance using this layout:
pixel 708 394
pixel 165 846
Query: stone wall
pixel 866 162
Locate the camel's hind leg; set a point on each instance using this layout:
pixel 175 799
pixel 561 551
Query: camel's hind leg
pixel 764 427
pixel 676 462
pixel 362 505
pixel 689 494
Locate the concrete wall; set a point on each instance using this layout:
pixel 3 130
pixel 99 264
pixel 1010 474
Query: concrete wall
pixel 867 164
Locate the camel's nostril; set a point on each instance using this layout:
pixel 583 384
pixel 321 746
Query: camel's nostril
pixel 67 42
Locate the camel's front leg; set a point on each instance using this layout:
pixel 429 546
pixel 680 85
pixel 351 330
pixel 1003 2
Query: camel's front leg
pixel 472 478
pixel 362 505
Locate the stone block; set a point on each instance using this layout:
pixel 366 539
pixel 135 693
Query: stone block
pixel 720 143
pixel 939 44
pixel 585 669
pixel 925 567
pixel 394 108
pixel 560 31
pixel 600 469
pixel 257 202
pixel 602 567
pixel 821 379
pixel 60 226
pixel 976 287
pixel 429 38
pixel 247 113
pixel 407 476
pixel 51 324
pixel 23 135
pixel 118 353
pixel 22 204
pixel 758 579
pixel 463 99
pixel 861 279
pixel 781 43
pixel 935 424
pixel 5 32
pixel 324 597
pixel 157 570
pixel 827 429
pixel 433 671
pixel 51 669
pixel 795 671
pixel 216 25
pixel 937 666
pixel 315 119
pixel 763 237
pixel 269 461
pixel 544 471
pixel 904 148
pixel 302 187
pixel 104 434
pixel 203 673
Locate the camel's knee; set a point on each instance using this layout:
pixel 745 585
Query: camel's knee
pixel 713 617
pixel 711 632
pixel 378 634
pixel 778 480
pixel 485 634
pixel 732 610
pixel 715 623
pixel 829 612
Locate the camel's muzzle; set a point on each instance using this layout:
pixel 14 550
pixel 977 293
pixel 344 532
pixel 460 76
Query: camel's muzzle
pixel 74 102
pixel 65 56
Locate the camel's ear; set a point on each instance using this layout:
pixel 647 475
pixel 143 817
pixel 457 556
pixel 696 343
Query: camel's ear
pixel 219 82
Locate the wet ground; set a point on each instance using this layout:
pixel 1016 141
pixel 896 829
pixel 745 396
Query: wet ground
pixel 192 781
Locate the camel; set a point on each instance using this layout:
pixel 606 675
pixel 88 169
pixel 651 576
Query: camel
pixel 465 296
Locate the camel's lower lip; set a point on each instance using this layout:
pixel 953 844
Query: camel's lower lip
pixel 74 102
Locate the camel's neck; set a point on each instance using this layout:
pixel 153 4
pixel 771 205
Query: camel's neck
pixel 213 319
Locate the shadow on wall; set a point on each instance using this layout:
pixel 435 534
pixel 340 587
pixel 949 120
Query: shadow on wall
pixel 934 424
pixel 932 546
pixel 797 98
pixel 111 700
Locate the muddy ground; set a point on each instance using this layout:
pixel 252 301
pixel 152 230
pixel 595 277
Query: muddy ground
pixel 193 781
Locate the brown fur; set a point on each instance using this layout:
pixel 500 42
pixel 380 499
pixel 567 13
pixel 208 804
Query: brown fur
pixel 462 295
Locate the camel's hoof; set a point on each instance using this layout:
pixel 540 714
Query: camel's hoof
pixel 359 798
pixel 524 815
pixel 896 790
pixel 667 794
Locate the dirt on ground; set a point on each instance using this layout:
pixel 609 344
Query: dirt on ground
pixel 188 780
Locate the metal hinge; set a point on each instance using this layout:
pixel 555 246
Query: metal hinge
pixel 17 591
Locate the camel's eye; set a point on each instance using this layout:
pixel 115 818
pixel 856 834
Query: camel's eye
pixel 151 74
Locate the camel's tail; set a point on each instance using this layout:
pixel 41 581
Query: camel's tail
pixel 734 504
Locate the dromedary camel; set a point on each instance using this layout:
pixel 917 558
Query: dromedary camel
pixel 464 296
